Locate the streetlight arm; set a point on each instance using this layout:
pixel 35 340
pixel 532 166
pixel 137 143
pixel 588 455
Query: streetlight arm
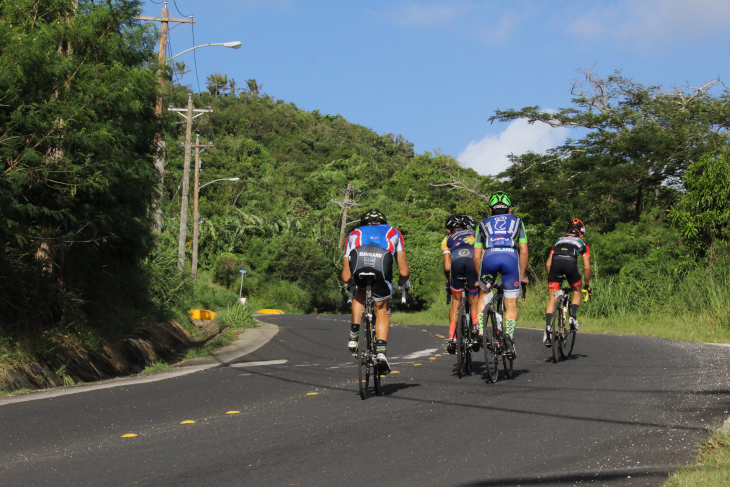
pixel 216 180
pixel 234 45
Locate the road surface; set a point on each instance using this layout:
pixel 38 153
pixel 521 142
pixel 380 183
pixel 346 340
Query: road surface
pixel 623 411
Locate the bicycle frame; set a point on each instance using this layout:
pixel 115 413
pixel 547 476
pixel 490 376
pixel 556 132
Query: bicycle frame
pixel 563 337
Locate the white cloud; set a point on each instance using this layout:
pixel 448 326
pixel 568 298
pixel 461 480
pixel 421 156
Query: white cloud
pixel 653 21
pixel 489 155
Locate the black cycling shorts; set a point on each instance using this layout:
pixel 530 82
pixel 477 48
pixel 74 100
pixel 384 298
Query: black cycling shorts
pixel 564 266
pixel 373 260
pixel 462 265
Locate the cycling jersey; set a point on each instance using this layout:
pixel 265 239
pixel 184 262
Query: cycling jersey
pixel 569 247
pixel 460 238
pixel 564 264
pixel 460 245
pixel 500 231
pixel 370 249
pixel 383 236
pixel 500 236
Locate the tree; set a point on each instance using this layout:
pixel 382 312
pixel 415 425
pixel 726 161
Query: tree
pixel 217 84
pixel 254 89
pixel 77 182
pixel 640 141
pixel 181 69
pixel 703 213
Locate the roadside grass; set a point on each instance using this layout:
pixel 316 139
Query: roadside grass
pixel 710 468
pixel 157 367
pixel 668 320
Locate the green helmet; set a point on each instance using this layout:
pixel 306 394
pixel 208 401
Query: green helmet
pixel 500 200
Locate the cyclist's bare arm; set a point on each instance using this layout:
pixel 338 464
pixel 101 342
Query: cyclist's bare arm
pixel 346 274
pixel 549 263
pixel 403 269
pixel 586 268
pixel 524 258
pixel 447 265
pixel 478 259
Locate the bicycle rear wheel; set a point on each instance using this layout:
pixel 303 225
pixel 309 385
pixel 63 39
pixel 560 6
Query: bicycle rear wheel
pixel 460 349
pixel 556 325
pixel 506 363
pixel 363 367
pixel 489 337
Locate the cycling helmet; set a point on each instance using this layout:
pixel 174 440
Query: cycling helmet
pixel 373 217
pixel 576 226
pixel 500 200
pixel 459 221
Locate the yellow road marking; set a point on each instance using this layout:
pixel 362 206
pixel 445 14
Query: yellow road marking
pixel 416 365
pixel 432 358
pixel 129 435
pixel 187 422
pixel 312 393
pixel 440 336
pixel 437 355
pixel 395 372
pixel 423 330
pixel 233 412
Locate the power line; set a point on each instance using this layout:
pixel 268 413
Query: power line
pixel 195 58
pixel 178 10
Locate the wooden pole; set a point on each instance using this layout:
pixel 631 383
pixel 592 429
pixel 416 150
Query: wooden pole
pixel 196 214
pixel 345 207
pixel 185 187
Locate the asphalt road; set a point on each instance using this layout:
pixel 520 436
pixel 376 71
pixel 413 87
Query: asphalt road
pixel 624 411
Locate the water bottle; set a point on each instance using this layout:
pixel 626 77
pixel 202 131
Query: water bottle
pixel 499 323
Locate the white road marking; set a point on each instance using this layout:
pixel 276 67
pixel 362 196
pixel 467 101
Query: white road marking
pixel 422 353
pixel 125 381
pixel 260 363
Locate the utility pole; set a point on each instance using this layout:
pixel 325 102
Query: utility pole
pixel 196 195
pixel 345 205
pixel 159 162
pixel 189 117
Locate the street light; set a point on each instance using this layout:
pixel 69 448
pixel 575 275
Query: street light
pixel 196 218
pixel 216 180
pixel 232 45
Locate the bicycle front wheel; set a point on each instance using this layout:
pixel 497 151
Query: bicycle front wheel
pixel 489 343
pixel 506 363
pixel 567 343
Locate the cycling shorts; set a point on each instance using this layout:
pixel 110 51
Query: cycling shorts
pixel 564 266
pixel 462 265
pixel 373 260
pixel 505 261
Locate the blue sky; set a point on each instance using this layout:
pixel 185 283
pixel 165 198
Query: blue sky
pixel 436 71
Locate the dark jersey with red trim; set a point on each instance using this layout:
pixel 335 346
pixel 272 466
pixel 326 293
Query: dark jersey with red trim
pixel 569 247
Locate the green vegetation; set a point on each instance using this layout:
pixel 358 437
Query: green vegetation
pixel 157 367
pixel 712 466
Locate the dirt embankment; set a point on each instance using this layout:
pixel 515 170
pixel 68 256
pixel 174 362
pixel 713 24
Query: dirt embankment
pixel 161 342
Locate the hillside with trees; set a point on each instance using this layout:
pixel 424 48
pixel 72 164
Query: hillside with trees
pixel 80 265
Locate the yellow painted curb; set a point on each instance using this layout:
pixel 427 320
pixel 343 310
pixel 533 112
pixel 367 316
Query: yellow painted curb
pixel 201 314
pixel 271 311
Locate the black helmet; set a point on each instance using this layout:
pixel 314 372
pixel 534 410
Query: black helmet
pixel 459 221
pixel 373 217
pixel 576 226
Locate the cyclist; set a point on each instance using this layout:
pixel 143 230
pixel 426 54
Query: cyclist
pixel 563 262
pixel 365 253
pixel 458 250
pixel 501 247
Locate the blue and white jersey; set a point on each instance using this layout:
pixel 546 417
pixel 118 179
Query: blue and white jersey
pixel 383 236
pixel 500 231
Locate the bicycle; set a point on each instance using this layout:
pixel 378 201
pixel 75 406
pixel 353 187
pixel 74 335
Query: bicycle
pixel 366 356
pixel 465 346
pixel 563 337
pixel 493 341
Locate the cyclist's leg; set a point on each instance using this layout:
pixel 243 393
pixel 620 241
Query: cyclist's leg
pixel 456 296
pixel 358 304
pixel 382 292
pixel 572 273
pixel 510 270
pixel 555 282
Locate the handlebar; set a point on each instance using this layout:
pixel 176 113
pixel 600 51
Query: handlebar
pixel 353 289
